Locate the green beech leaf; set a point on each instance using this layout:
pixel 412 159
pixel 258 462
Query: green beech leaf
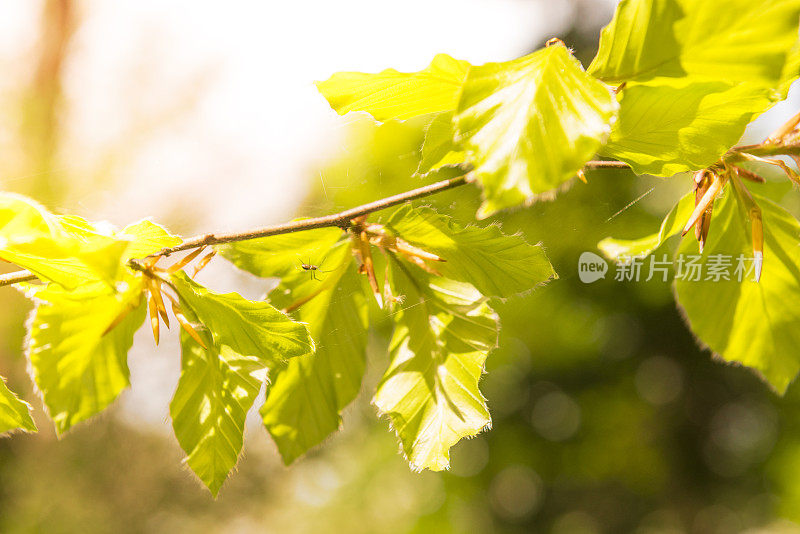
pixel 439 146
pixel 216 388
pixel 282 255
pixel 498 265
pixel 305 398
pixel 250 328
pixel 398 95
pixel 15 414
pixel 147 238
pixel 706 73
pixel 65 250
pixel 739 40
pixel 78 367
pixel 444 331
pixel 666 126
pixel 617 249
pixel 530 124
pixel 219 383
pixel 751 323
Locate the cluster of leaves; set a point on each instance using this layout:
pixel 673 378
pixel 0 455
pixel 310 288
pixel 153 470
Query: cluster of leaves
pixel 672 88
pixel 93 301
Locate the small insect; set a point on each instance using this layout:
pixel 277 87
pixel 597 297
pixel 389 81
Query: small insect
pixel 313 269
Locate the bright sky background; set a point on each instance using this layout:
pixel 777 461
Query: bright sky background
pixel 258 120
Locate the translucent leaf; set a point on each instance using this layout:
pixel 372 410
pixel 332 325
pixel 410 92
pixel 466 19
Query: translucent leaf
pixel 147 238
pixel 530 124
pixel 78 367
pixel 282 255
pixel 216 388
pixel 305 398
pixel 397 95
pixel 616 249
pixel 15 414
pixel 65 250
pixel 708 73
pixel 666 126
pixel 498 265
pixel 751 323
pixel 439 147
pixel 250 328
pixel 741 40
pixel 98 255
pixel 443 334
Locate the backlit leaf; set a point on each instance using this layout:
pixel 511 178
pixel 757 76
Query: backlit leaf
pixel 752 323
pixel 78 367
pixel 666 127
pixel 65 250
pixel 147 238
pixel 530 124
pixel 305 398
pixel 498 265
pixel 282 255
pixel 737 41
pixel 15 414
pixel 398 95
pixel 216 388
pixel 444 331
pixel 248 327
pixel 708 71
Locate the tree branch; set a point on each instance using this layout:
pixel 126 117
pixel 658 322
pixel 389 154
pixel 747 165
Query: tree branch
pixel 340 220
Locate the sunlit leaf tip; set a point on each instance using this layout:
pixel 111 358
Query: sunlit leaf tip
pixel 398 95
pixel 147 238
pixel 15 413
pixel 442 337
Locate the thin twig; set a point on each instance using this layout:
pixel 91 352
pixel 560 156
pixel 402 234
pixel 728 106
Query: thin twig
pixel 16 277
pixel 340 220
pixel 606 164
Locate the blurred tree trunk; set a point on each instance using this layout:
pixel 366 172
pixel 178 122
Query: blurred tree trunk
pixel 39 136
pixel 43 100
